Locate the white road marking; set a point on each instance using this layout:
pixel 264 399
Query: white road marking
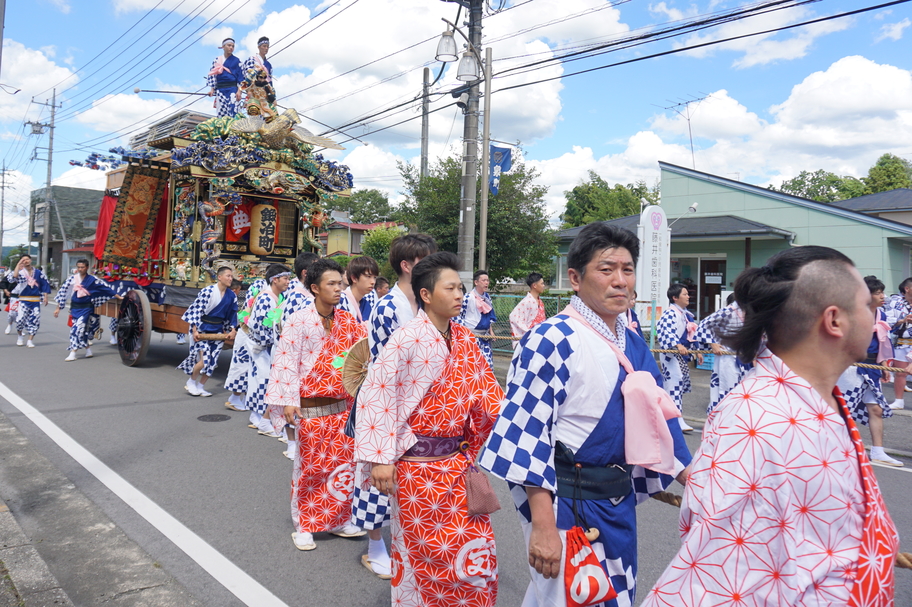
pixel 898 469
pixel 238 582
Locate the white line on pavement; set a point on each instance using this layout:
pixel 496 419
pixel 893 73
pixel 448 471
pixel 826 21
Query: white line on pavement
pixel 239 583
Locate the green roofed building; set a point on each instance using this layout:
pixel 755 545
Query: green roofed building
pixel 737 225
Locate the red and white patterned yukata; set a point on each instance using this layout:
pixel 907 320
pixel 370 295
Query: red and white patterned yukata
pixel 324 473
pixel 441 555
pixel 782 508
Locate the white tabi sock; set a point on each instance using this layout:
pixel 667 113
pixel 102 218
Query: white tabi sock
pixel 878 453
pixel 292 448
pixel 255 418
pixel 376 553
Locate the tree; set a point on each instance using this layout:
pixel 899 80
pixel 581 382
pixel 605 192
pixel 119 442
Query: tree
pixel 596 200
pixel 519 237
pixel 376 244
pixel 820 185
pixel 888 173
pixel 14 255
pixel 364 206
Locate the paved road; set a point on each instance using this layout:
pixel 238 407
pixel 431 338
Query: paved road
pixel 226 485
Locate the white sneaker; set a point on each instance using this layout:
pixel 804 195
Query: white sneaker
pixel 89 353
pixel 304 541
pixel 883 458
pixel 348 530
pixel 20 341
pixel 202 390
pixel 684 427
pixel 190 387
pixel 71 357
pixel 30 343
pixel 181 340
pixel 113 340
pixel 9 329
pixel 898 404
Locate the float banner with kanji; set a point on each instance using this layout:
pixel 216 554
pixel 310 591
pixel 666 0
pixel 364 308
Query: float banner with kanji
pixel 654 268
pixel 501 162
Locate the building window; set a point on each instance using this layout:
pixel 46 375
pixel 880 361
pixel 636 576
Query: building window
pixel 90 223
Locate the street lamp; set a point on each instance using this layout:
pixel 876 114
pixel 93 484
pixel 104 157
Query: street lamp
pixel 469 66
pixel 691 209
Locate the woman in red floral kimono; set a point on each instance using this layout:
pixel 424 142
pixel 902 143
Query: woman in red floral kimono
pixel 426 408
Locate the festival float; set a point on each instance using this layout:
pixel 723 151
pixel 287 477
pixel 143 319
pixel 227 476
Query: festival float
pixel 242 191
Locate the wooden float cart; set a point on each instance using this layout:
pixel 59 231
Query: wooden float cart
pixel 221 197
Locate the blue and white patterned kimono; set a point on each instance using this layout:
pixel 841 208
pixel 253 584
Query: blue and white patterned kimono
pixel 370 508
pixel 28 317
pixel 564 384
pixel 861 387
pixel 226 85
pixel 239 371
pixel 671 331
pixel 471 317
pixel 728 370
pixel 210 312
pixel 260 340
pixel 82 308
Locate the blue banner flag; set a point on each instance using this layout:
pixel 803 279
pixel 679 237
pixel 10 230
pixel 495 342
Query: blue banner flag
pixel 501 162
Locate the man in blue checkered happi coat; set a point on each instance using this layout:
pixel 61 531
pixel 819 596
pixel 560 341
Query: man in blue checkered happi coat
pixel 84 292
pixel 560 439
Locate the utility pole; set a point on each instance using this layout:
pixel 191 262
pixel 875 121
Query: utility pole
pixel 48 196
pixel 425 102
pixel 485 165
pixel 3 187
pixel 466 252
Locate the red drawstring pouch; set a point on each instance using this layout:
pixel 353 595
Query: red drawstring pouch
pixel 585 580
pixel 70 320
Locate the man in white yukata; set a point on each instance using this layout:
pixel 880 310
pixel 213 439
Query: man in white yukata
pixel 782 507
pixel 370 508
pixel 214 311
pixel 359 298
pixel 239 370
pixel 530 310
pixel 676 331
pixel 561 439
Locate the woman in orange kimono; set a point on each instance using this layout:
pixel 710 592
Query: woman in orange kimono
pixel 426 408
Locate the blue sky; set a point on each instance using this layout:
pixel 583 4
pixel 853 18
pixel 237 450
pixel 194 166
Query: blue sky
pixel 834 95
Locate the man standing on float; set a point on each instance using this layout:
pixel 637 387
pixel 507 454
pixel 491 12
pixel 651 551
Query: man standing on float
pixel 224 80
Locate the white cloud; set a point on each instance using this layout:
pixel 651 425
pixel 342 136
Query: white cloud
pixel 375 168
pixel 32 71
pixel 81 177
pixel 893 31
pixel 215 37
pixel 317 57
pixel 233 11
pixel 673 14
pixel 114 112
pixel 840 120
pixel 767 48
pixel 18 193
pixel 62 5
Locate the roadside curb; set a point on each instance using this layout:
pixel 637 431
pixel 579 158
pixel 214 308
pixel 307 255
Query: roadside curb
pixel 33 583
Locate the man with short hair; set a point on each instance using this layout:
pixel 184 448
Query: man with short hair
pixel 33 290
pixel 214 311
pixel 782 506
pixel 530 310
pixel 306 383
pixel 258 82
pixel 478 313
pixel 676 330
pixel 381 287
pixel 370 508
pixel 239 371
pixel 359 298
pixel 85 292
pixel 561 441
